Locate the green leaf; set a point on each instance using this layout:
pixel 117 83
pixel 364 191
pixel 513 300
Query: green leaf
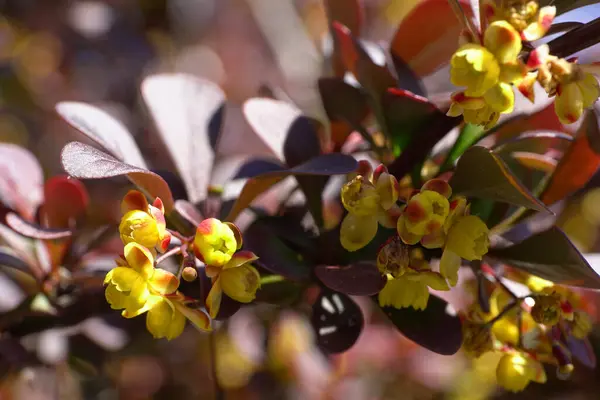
pixel 468 136
pixel 481 173
pixel 552 256
pixel 433 328
pixel 406 116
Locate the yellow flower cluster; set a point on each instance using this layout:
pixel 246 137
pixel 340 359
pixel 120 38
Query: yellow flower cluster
pixel 527 335
pixel 370 199
pixel 431 219
pixel 489 67
pixel 136 286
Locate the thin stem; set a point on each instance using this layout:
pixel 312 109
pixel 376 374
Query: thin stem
pixel 219 393
pixel 265 280
pixel 520 325
pixel 505 311
pixel 184 239
pixel 172 252
pixel 186 256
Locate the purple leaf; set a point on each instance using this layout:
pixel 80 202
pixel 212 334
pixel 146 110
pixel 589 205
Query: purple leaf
pixel 21 180
pixel 31 230
pixel 86 162
pixel 104 129
pixel 183 107
pixel 360 279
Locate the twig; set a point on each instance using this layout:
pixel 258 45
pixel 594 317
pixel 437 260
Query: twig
pixel 172 252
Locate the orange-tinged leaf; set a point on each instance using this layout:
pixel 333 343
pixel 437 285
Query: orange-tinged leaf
pixel 65 200
pixel 428 36
pixel 579 163
pixel 535 161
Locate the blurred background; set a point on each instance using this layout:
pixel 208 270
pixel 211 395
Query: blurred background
pixel 99 52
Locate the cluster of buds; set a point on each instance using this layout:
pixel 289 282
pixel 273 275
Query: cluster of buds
pixel 527 335
pixel 435 220
pixel 488 65
pixel 137 286
pixel 370 199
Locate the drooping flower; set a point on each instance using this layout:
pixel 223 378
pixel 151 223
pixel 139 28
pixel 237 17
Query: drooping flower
pixel 143 223
pixel 136 287
pixel 547 309
pixel 575 96
pixel 238 279
pixel 216 242
pixel 515 371
pixel 370 199
pixel 477 338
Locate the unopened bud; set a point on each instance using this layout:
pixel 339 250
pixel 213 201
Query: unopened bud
pixel 563 372
pixel 189 274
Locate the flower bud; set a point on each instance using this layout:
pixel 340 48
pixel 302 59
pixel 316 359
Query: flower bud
pixel 240 283
pixel 189 274
pixel 426 212
pixel 215 242
pixel 438 185
pixel 356 232
pixel 546 310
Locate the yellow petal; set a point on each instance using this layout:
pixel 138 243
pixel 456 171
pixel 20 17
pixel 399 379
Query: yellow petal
pixel 476 68
pixel 240 283
pixel 123 278
pixel 115 298
pixel 387 188
pixel 137 297
pixel 356 232
pixel 215 242
pixel 163 321
pixel 134 200
pixel 213 300
pixel 589 89
pixel 449 266
pixel 503 41
pixel 140 259
pixel 240 258
pixel 139 227
pixel 401 293
pixel 433 279
pixel 468 238
pixel 163 282
pixel 500 98
pixel 569 103
pixel 198 318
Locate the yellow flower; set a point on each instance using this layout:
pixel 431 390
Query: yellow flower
pixel 516 370
pixel 360 197
pixel 546 309
pixel 426 212
pixel 135 287
pixel 143 223
pixel 500 98
pixel 238 279
pixel 411 289
pixel 581 326
pixel 370 201
pixel 573 97
pixel 477 338
pixel 503 41
pixel 475 67
pixel 216 242
pixel 467 238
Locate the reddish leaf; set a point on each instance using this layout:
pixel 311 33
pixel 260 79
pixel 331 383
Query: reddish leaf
pixel 65 200
pixel 482 174
pixel 31 230
pixel 579 163
pixel 324 165
pixel 21 180
pixel 346 107
pixel 361 279
pixel 535 142
pixel 428 36
pixel 86 162
pixel 535 161
pixel 348 12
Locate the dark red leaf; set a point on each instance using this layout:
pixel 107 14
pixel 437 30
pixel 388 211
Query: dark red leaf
pixel 65 200
pixel 360 279
pixel 31 230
